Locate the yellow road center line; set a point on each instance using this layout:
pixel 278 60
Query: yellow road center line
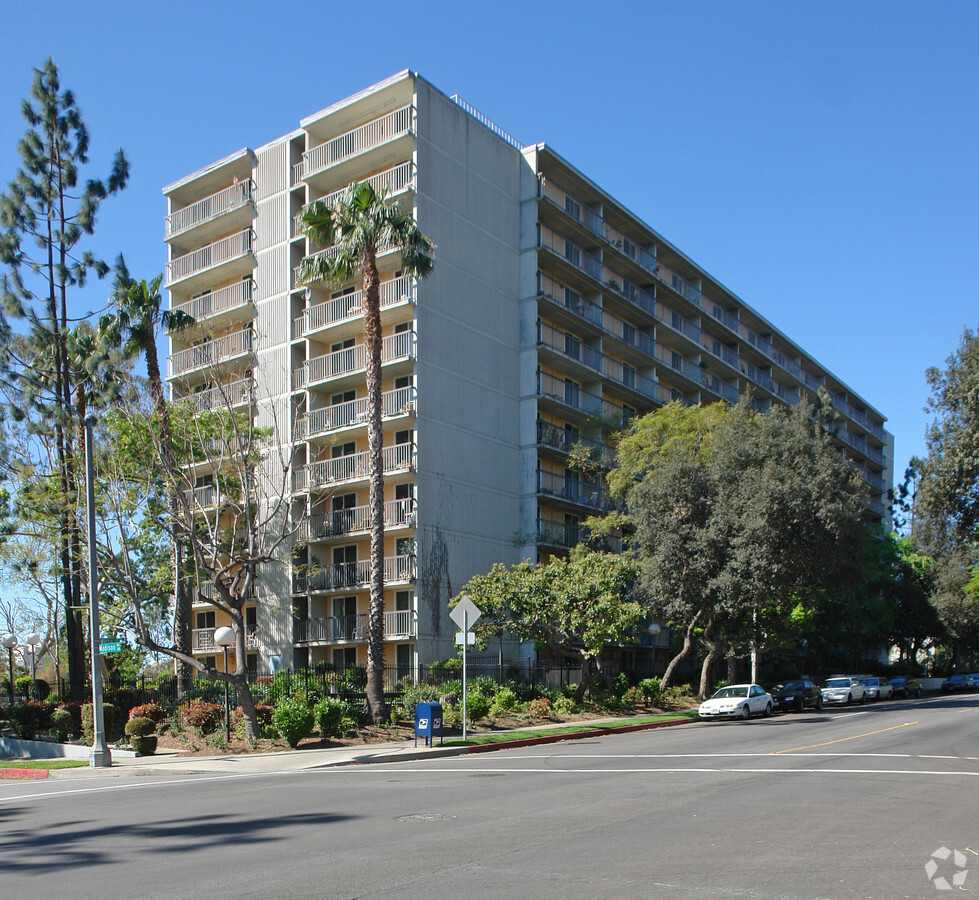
pixel 840 740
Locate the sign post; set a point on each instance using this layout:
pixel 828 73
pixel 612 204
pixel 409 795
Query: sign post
pixel 465 614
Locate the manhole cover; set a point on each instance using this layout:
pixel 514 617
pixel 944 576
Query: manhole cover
pixel 424 817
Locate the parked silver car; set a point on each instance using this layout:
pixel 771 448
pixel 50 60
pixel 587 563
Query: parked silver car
pixel 844 689
pixel 877 688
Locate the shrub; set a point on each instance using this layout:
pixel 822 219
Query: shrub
pixel 650 689
pixel 564 706
pixel 421 693
pixel 74 710
pixel 263 713
pixel 153 711
pixel 446 668
pixel 329 717
pixel 203 717
pixel 144 746
pixel 88 722
pixel 505 701
pixel 61 723
pixel 140 726
pixel 539 708
pixel 22 685
pixel 31 719
pixel 293 720
pixel 481 684
pixel 621 683
pixel 477 707
pixel 355 678
pixel 632 696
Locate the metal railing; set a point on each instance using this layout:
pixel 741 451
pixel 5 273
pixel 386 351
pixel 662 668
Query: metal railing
pixel 399 402
pixel 394 180
pixel 335 629
pixel 212 207
pixel 359 140
pixel 571 489
pixel 342 522
pixel 213 303
pixel 354 467
pixel 223 396
pixel 224 250
pixel 394 348
pixel 357 574
pixel 564 440
pixel 203 640
pixel 349 306
pixel 211 352
pixel 488 122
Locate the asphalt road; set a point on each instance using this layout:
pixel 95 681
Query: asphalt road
pixel 846 803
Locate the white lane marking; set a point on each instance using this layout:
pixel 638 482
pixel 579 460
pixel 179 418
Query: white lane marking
pixel 335 770
pixel 188 779
pixel 708 755
pixel 923 756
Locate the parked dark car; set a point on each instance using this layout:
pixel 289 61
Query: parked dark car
pixel 958 683
pixel 795 696
pixel 906 686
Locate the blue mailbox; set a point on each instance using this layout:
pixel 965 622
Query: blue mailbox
pixel 428 722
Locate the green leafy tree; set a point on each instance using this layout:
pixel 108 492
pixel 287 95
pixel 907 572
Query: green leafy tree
pixel 45 214
pixel 576 606
pixel 354 230
pixel 739 518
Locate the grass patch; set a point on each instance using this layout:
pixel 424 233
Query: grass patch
pixel 576 728
pixel 42 763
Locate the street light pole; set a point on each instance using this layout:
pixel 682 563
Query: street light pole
pixel 224 637
pixel 100 756
pixel 33 639
pixel 10 641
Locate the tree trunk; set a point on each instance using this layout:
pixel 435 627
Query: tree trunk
pixel 375 616
pixel 666 680
pixel 709 659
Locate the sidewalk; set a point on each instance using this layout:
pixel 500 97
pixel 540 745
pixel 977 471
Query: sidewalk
pixel 172 762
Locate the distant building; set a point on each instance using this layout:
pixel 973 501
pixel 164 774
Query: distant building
pixel 553 314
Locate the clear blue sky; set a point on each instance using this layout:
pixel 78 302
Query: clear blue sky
pixel 818 158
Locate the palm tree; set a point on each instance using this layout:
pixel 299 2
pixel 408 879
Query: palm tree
pixel 133 328
pixel 354 230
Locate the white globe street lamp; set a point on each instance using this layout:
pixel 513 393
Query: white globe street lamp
pixel 33 639
pixel 224 637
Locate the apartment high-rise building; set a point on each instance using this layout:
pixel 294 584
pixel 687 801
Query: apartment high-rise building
pixel 553 315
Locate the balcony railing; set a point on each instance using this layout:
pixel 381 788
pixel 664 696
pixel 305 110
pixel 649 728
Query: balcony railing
pixel 394 180
pixel 203 640
pixel 571 394
pixel 213 303
pixel 366 137
pixel 574 490
pixel 355 467
pixel 394 348
pixel 352 575
pixel 224 250
pixel 341 522
pixel 558 533
pixel 210 208
pixel 224 396
pixel 399 402
pixel 334 629
pixel 349 306
pixel 564 440
pixel 331 253
pixel 211 352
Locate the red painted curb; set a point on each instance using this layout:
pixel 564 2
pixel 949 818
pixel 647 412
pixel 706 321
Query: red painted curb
pixel 572 736
pixel 24 773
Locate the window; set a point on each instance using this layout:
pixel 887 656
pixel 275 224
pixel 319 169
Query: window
pixel 347 449
pixel 572 484
pixel 572 299
pixel 402 327
pixel 572 254
pixel 628 333
pixel 628 375
pixel 342 519
pixel 205 619
pixel 404 437
pixel 570 530
pixel 572 346
pixel 402 381
pixel 345 397
pixel 346 292
pixel 572 207
pixel 403 660
pixel 676 361
pixel 345 566
pixel 571 392
pixel 344 658
pixel 571 435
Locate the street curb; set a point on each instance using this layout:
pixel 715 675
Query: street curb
pixel 573 736
pixel 24 774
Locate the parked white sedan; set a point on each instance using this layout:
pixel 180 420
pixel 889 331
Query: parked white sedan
pixel 737 701
pixel 844 689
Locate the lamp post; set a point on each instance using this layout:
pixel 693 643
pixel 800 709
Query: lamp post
pixel 224 637
pixel 33 639
pixel 9 641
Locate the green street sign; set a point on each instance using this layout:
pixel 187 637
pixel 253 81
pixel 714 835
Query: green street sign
pixel 110 646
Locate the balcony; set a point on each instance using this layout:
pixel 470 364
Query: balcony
pixel 329 159
pixel 223 396
pixel 355 467
pixel 568 394
pixel 203 640
pixel 394 404
pixel 211 353
pixel 394 180
pixel 227 258
pixel 395 348
pixel 344 522
pixel 331 253
pixel 398 624
pixel 211 215
pixel 217 307
pixel 558 533
pixel 571 489
pixel 357 575
pixel 349 307
pixel 563 440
